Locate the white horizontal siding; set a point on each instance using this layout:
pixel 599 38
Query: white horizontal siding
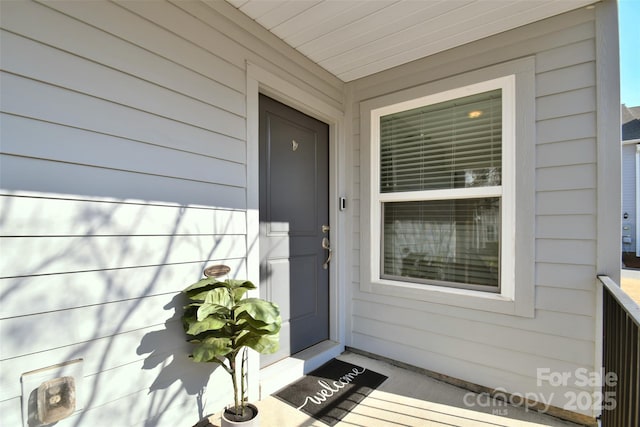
pixel 574 52
pixel 566 128
pixel 469 331
pixel 60 254
pixel 455 341
pixel 485 352
pixel 127 42
pixel 124 396
pixel 101 354
pixel 566 301
pixel 574 227
pixel 132 235
pixel 66 327
pixel 546 322
pixel 43 102
pixel 24 138
pixel 123 174
pixel 566 202
pixel 566 276
pixel 56 177
pixel 99 217
pixel 37 294
pixel 572 177
pixel 116 86
pixel 566 251
pixel 400 349
pixel 581 151
pixel 566 103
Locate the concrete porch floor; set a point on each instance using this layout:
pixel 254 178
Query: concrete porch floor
pixel 630 283
pixel 407 398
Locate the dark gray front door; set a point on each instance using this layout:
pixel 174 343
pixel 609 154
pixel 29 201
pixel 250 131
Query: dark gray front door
pixel 294 190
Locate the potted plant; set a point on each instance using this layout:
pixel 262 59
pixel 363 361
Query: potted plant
pixel 222 323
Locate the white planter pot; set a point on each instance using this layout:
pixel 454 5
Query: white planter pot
pixel 253 422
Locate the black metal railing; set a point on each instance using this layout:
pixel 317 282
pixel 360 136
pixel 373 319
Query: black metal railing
pixel 621 357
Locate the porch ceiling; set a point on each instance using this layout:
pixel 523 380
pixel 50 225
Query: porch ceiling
pixel 356 38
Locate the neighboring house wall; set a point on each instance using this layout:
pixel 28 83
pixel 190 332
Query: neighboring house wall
pixel 123 172
pixel 487 348
pixel 629 160
pixel 630 139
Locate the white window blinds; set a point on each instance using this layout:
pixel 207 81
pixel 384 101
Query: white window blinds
pixel 455 144
pixel 447 145
pixel 454 241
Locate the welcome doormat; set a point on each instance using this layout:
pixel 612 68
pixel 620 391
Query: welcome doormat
pixel 331 391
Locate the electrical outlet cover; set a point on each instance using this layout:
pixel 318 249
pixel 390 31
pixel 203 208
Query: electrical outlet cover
pixel 56 399
pixel 31 382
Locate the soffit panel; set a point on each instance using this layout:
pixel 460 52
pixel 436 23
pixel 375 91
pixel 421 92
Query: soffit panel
pixel 356 38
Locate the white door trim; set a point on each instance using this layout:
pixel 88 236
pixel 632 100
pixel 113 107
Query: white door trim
pixel 263 81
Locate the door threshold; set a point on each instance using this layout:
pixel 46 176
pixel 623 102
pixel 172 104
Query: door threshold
pixel 284 372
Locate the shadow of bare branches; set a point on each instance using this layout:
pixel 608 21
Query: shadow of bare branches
pixel 118 310
pixel 176 366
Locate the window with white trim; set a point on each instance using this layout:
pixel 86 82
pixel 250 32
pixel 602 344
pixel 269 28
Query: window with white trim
pixel 442 187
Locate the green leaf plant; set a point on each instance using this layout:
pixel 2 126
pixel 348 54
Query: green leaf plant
pixel 221 324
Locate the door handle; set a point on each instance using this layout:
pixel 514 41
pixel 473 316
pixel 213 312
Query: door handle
pixel 326 245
